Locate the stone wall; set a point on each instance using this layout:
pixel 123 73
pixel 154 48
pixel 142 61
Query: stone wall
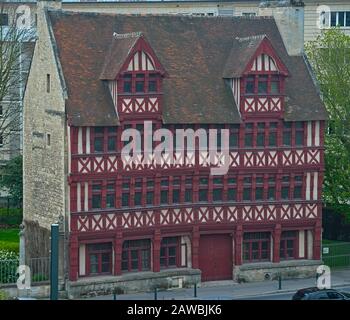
pixel 134 282
pixel 270 271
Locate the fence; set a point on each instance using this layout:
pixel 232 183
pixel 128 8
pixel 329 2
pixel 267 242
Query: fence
pixel 39 270
pixel 336 254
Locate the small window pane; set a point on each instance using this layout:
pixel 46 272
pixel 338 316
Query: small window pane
pixel 164 197
pixel 127 86
pixel 287 138
pixel 297 192
pixel 140 86
pixel 217 195
pixel 125 199
pixel 259 193
pixel 262 87
pixel 150 196
pixel 138 197
pixel 176 196
pixel 96 201
pixel 285 193
pixel 260 139
pixel 299 138
pixel 249 88
pixel 111 143
pixel 203 195
pixel 110 201
pixel 333 19
pixel 271 193
pixel 275 87
pixel 152 86
pixel 188 195
pixel 247 194
pixel 98 144
pixel 248 140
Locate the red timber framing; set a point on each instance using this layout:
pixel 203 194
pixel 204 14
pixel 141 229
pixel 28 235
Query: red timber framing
pixel 281 163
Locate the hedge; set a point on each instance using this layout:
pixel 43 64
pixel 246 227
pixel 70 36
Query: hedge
pixel 11 216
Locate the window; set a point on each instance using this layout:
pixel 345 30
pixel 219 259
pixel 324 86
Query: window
pixel 140 83
pixel 1 111
pixel 169 252
pixel 340 19
pixel 275 85
pixel 48 83
pixel 271 191
pixel 111 139
pixel 96 196
pixel 99 258
pixel 127 83
pixel 262 84
pixel 136 255
pixel 285 188
pixel 232 189
pixel 273 134
pixel 188 189
pixel 4 19
pixel 98 139
pixel 203 195
pixel 298 185
pixel 234 134
pixel 260 137
pixel 203 189
pixel 287 134
pixel 150 192
pixel 250 85
pixel 48 139
pixel 248 14
pixel 110 196
pixel 126 193
pixel 247 189
pixel 248 138
pixel 288 245
pixel 1 140
pixel 152 85
pixel 256 246
pixel 299 133
pixel 164 196
pixel 138 192
pixel 259 188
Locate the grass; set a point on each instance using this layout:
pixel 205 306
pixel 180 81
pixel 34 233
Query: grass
pixel 9 239
pixel 339 253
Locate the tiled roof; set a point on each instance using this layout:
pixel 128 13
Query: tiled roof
pixel 194 52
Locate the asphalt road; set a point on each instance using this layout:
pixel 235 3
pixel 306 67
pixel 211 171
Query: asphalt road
pixel 284 296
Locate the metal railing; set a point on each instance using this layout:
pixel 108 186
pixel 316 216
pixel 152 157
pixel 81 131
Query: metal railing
pixel 39 270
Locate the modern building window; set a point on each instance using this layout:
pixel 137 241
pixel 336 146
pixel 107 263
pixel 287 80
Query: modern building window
pixel 99 258
pixel 256 246
pixel 169 252
pixel 340 19
pixel 136 255
pixel 288 245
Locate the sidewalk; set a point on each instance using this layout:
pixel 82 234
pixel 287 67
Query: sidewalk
pixel 228 290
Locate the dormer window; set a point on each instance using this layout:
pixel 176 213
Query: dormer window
pixel 263 84
pixel 140 83
pixel 127 83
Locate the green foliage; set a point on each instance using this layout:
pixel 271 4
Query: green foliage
pixel 3 295
pixel 11 216
pixel 329 56
pixel 8 266
pixel 12 179
pixel 9 241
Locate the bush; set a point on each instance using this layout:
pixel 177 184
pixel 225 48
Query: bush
pixel 11 216
pixel 3 295
pixel 8 266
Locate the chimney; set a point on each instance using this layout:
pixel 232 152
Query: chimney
pixel 289 17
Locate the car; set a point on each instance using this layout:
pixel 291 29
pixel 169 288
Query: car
pixel 315 293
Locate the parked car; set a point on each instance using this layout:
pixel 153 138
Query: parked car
pixel 315 293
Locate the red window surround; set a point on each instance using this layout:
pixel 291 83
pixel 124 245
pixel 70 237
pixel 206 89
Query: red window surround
pixel 289 245
pixel 170 252
pixel 256 246
pixel 136 255
pixel 139 82
pixel 99 259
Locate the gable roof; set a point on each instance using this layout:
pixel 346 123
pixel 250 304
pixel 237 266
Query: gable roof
pixel 117 54
pixel 193 50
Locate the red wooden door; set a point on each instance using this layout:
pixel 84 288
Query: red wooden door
pixel 215 257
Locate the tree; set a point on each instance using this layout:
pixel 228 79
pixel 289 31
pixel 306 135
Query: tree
pixel 12 179
pixel 329 56
pixel 15 35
